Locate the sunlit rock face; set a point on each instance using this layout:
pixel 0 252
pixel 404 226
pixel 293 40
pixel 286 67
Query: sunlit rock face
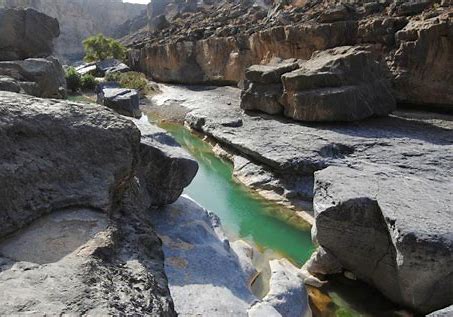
pixel 216 43
pixel 79 19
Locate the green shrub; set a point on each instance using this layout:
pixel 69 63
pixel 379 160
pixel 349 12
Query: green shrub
pixel 132 80
pixel 73 80
pixel 88 82
pixel 98 47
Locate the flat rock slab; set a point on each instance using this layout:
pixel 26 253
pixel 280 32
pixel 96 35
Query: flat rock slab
pixel 208 277
pixel 124 101
pixel 51 238
pixel 204 274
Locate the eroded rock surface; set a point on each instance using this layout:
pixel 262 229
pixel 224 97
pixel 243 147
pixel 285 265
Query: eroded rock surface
pixel 75 237
pixel 216 42
pixel 391 179
pixel 39 77
pixel 340 84
pixel 42 144
pixel 165 168
pixel 398 228
pixel 200 260
pixel 421 61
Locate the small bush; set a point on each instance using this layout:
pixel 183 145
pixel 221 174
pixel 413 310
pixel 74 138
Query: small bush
pixel 98 48
pixel 73 80
pixel 132 80
pixel 88 82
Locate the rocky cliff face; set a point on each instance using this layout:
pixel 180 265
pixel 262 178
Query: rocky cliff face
pixel 215 44
pixel 80 19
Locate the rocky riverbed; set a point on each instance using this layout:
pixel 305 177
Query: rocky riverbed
pixel 382 167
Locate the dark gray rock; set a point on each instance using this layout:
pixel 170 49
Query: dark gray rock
pixel 37 165
pixel 340 84
pixel 74 238
pixel 263 87
pixel 262 97
pixel 9 84
pixel 111 66
pixel 40 77
pixel 391 230
pixel 123 101
pixel 165 168
pixel 26 33
pixel 408 8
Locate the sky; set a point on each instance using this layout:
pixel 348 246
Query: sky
pixel 138 1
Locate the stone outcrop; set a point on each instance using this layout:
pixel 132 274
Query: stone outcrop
pixel 400 243
pixel 421 61
pixel 40 77
pixel 219 41
pixel 79 240
pixel 263 87
pixel 340 84
pixel 110 66
pixel 165 168
pixel 124 101
pixel 26 33
pixel 38 174
pixel 80 19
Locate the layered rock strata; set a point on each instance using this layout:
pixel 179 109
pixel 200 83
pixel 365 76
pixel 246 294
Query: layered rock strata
pixel 340 84
pixel 218 42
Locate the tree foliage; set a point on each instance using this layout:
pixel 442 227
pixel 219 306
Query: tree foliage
pixel 98 47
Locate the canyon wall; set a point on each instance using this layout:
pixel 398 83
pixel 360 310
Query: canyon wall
pixel 79 19
pixel 216 45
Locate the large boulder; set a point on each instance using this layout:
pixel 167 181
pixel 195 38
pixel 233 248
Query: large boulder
pixel 340 84
pixel 422 63
pixel 165 168
pixel 264 88
pixel 122 100
pixel 74 236
pixel 39 77
pixel 391 230
pixel 26 33
pixel 59 155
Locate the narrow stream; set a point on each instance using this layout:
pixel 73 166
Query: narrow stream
pixel 272 229
pixel 243 214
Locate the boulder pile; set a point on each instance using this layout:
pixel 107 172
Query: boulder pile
pixel 26 42
pixel 340 84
